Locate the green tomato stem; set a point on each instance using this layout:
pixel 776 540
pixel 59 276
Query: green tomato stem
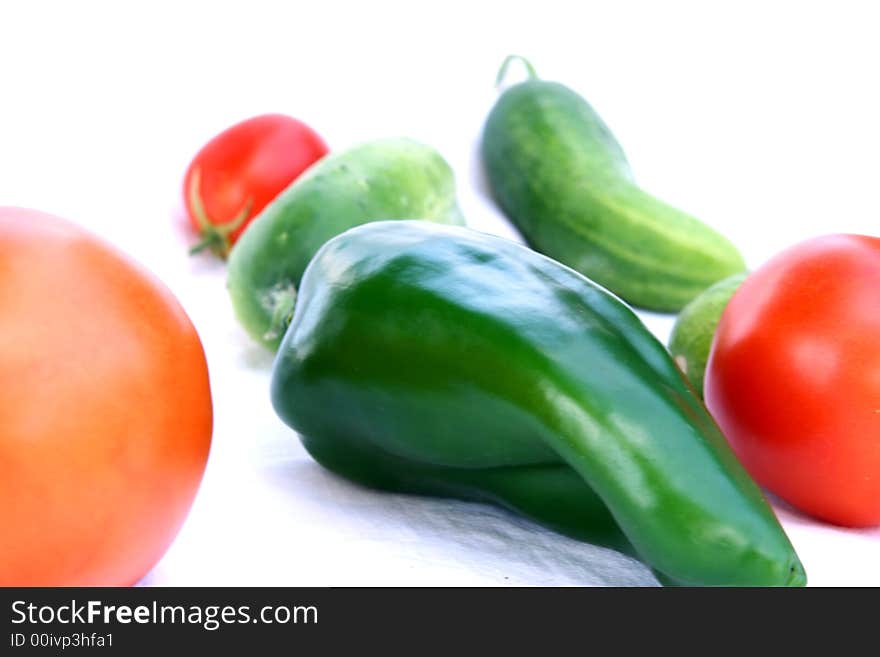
pixel 215 237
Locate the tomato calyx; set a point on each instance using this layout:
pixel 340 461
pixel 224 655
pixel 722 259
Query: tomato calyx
pixel 215 238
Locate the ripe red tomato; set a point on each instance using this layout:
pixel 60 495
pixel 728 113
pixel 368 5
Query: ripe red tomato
pixel 794 377
pixel 105 411
pixel 241 170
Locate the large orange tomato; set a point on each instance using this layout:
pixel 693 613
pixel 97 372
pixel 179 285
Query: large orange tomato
pixel 105 409
pixel 794 377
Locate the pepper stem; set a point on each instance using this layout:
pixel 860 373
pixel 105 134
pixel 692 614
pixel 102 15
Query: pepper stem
pixel 502 72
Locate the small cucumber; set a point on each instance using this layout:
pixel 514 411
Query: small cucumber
pixel 559 174
pixel 691 338
pixel 378 180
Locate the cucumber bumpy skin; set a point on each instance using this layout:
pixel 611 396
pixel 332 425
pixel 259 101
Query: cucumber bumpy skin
pixel 559 174
pixel 378 180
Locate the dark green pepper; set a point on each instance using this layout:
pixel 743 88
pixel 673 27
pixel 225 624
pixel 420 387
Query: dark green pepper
pixel 438 360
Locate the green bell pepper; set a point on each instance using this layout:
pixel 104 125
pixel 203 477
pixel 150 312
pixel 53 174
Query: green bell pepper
pixel 438 360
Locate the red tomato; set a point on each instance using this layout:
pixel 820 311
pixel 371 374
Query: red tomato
pixel 105 411
pixel 794 377
pixel 241 170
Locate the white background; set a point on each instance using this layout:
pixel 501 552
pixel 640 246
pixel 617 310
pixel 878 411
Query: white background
pixel 762 119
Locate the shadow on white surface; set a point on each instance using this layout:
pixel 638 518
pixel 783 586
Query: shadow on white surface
pixel 480 542
pixel 255 357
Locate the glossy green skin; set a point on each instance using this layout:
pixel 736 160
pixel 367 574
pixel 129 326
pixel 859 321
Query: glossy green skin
pixel 438 360
pixel 378 180
pixel 691 339
pixel 562 178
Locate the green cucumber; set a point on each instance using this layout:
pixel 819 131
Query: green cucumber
pixel 559 174
pixel 691 338
pixel 378 180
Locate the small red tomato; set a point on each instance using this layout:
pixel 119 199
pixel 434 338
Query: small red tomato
pixel 794 377
pixel 241 170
